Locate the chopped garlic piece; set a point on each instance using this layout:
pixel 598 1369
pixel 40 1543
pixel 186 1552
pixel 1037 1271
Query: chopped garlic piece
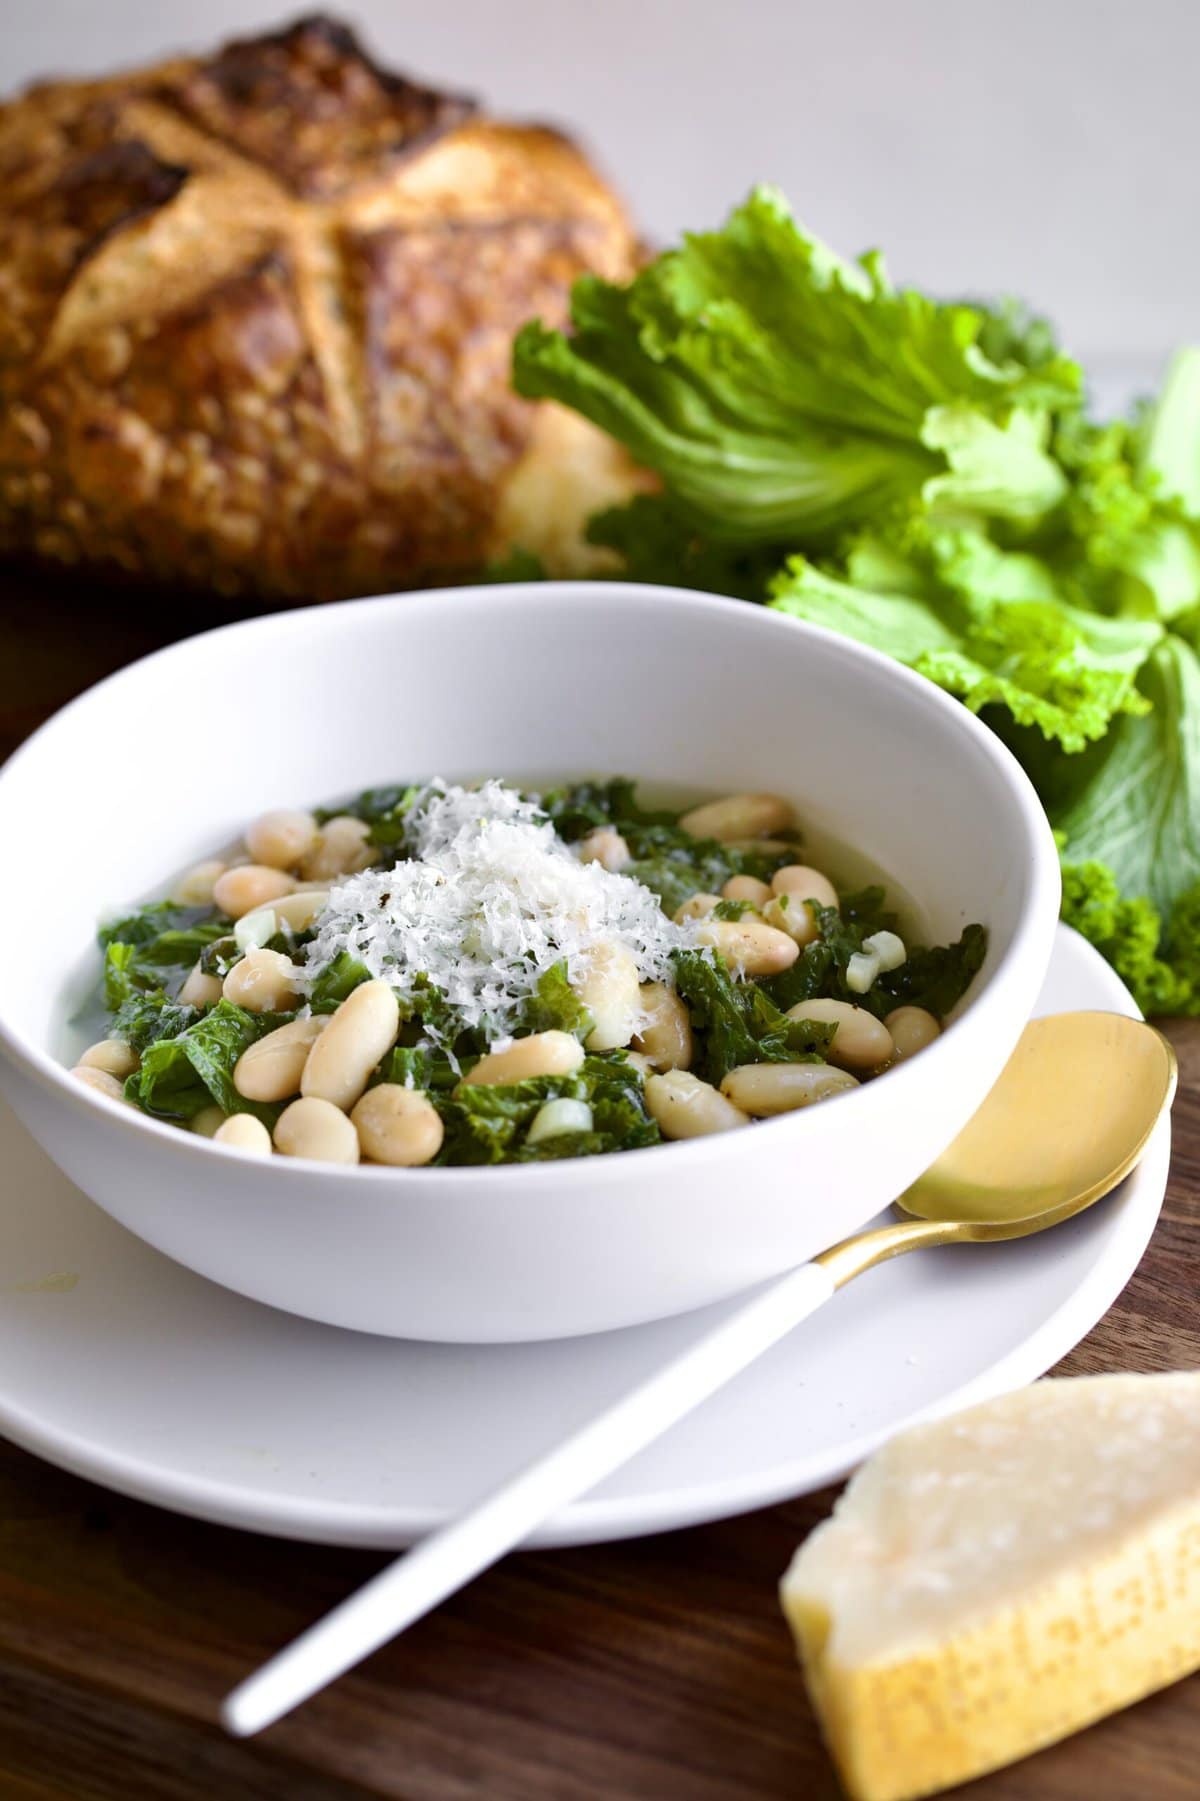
pixel 255 929
pixel 861 971
pixel 996 1580
pixel 555 1118
pixel 887 949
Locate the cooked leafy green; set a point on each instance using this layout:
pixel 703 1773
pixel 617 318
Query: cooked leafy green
pixel 487 1123
pixel 667 859
pixel 141 1018
pixel 579 807
pixel 734 909
pixel 418 1066
pixel 739 1022
pixel 556 1007
pixel 155 947
pixel 146 924
pixel 384 809
pixel 935 978
pixel 183 1074
pixel 341 977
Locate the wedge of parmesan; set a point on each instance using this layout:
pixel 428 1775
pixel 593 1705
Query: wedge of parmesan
pixel 994 1581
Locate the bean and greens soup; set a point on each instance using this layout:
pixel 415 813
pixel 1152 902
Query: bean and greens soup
pixel 437 974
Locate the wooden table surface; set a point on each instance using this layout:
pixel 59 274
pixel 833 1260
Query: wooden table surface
pixel 658 1669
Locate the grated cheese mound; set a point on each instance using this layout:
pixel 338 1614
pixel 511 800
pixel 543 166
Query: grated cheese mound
pixel 493 899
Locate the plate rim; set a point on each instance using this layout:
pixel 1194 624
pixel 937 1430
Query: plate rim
pixel 591 1521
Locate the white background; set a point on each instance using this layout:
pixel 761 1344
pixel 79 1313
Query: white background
pixel 1048 148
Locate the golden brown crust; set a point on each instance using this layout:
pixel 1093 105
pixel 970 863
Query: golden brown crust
pixel 311 106
pixel 256 312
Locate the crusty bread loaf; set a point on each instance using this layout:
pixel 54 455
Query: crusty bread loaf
pixel 255 321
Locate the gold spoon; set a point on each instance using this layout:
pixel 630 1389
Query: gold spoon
pixel 1069 1117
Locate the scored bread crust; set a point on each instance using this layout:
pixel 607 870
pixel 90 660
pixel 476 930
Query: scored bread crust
pixel 256 313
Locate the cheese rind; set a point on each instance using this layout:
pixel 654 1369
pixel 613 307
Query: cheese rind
pixel 992 1582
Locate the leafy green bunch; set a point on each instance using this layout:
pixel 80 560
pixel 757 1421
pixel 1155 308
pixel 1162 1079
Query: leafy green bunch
pixel 922 476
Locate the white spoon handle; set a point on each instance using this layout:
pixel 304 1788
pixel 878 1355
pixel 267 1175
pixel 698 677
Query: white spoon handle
pixel 449 1558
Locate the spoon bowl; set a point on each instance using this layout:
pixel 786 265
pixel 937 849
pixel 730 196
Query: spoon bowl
pixel 1067 1120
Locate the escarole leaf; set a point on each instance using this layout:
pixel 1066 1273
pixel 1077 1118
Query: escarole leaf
pixel 783 393
pixel 556 1007
pixel 1133 801
pixel 1003 471
pixel 155 947
pixel 488 1123
pixel 1161 969
pixel 740 1023
pixel 181 1075
pixel 1171 445
pixel 1062 670
pixel 143 1017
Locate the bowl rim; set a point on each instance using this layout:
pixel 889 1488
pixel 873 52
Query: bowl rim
pixel 1037 920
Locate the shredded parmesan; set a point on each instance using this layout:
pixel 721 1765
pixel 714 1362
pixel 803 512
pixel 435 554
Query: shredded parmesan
pixel 492 900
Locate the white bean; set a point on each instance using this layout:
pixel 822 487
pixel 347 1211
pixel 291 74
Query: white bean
pixel 555 1119
pixel 100 1080
pixel 805 883
pixel 665 1035
pixel 262 982
pixel 195 886
pixel 697 906
pixel 341 849
pixel 788 913
pixel 113 1056
pixel 912 1028
pixel 359 1034
pixel 860 1042
pixel 282 838
pixel 766 1088
pixel 606 847
pixel 297 911
pixel 248 887
pixel 747 888
pixel 750 946
pixel 739 816
pixel 208 1122
pixel 686 1107
pixel 200 990
pixel 550 1053
pixel 396 1125
pixel 609 990
pixel 314 1128
pixel 270 1070
pixel 244 1133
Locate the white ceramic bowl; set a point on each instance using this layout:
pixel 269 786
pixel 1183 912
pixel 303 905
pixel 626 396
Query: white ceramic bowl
pixel 171 757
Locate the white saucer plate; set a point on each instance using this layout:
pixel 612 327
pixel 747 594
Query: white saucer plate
pixel 125 1368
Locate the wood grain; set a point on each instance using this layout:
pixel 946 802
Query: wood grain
pixel 658 1670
